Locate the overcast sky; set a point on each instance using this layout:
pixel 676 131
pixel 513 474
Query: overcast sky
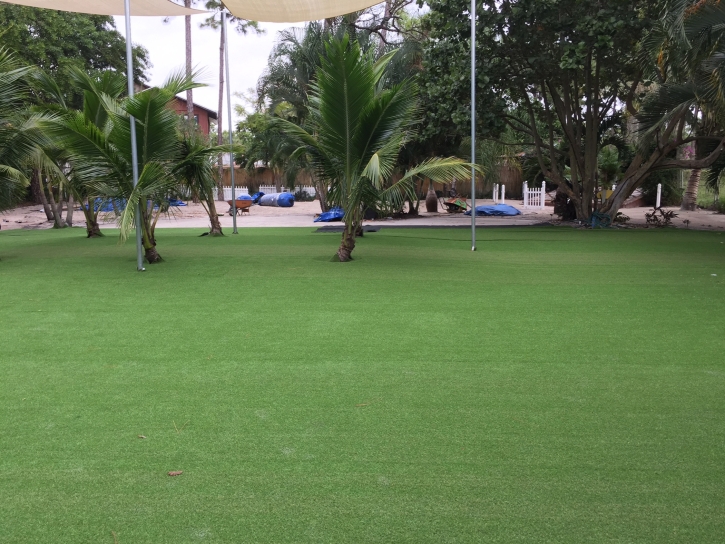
pixel 165 43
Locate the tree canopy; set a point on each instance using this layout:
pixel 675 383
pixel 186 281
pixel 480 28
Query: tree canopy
pixel 57 40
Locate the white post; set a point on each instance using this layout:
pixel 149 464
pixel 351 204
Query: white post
pixel 473 124
pixel 495 193
pixel 503 194
pixel 526 194
pixel 659 195
pixel 231 127
pixel 543 195
pixel 134 152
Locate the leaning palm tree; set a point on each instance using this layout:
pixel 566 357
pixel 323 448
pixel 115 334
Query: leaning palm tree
pixel 355 133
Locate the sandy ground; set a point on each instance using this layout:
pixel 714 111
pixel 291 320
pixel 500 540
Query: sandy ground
pixel 302 214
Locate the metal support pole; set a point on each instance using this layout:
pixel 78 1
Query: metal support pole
pixel 473 124
pixel 231 131
pixel 134 152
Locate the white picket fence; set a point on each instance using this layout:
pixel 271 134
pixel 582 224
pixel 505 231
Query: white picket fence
pixel 534 198
pixel 243 190
pixel 499 193
pixel 237 191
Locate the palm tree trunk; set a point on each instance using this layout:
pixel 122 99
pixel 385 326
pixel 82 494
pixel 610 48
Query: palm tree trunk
pixel 93 230
pixel 57 218
pixel 689 200
pixel 147 237
pixel 347 244
pixel 69 213
pixel 189 93
pixel 216 226
pixel 321 190
pixel 220 115
pixel 35 179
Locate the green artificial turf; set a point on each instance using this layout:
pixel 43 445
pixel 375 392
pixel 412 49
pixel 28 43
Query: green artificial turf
pixel 556 385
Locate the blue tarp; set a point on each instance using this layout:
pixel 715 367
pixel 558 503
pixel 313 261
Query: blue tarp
pixel 498 209
pixel 257 196
pixel 244 197
pixel 281 200
pixel 107 206
pixel 334 214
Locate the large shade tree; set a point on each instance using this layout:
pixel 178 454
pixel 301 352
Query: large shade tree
pixel 570 67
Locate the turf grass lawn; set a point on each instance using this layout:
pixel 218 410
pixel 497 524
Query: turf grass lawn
pixel 555 386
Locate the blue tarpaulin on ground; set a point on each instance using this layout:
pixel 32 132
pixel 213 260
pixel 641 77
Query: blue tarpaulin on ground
pixel 257 196
pixel 120 204
pixel 334 214
pixel 498 209
pixel 244 197
pixel 281 200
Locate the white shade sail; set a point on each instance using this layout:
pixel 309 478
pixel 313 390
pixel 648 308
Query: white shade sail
pixel 158 8
pixel 294 11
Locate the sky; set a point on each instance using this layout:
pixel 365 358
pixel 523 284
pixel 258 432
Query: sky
pixel 165 44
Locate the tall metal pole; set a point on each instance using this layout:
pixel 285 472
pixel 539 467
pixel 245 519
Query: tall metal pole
pixel 473 124
pixel 229 110
pixel 134 152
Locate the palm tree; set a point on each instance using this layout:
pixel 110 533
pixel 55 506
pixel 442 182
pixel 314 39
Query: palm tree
pixel 195 172
pixel 355 133
pixel 52 157
pixel 101 155
pixel 16 144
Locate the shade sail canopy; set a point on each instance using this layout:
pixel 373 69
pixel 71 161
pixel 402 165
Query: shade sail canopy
pixel 158 8
pixel 294 11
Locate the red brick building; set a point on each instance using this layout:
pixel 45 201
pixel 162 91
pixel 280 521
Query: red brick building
pixel 203 116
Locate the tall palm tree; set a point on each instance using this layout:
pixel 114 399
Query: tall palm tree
pixel 355 133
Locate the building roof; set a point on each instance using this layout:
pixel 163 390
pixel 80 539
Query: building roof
pixel 212 113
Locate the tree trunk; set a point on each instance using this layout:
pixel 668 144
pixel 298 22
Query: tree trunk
pixel 321 190
pixel 216 226
pixel 57 218
pixel 152 256
pixel 689 200
pixel 35 179
pixel 347 244
pixel 384 30
pixel 220 115
pixel 69 213
pixel 431 199
pixel 149 244
pixel 93 230
pixel 189 93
